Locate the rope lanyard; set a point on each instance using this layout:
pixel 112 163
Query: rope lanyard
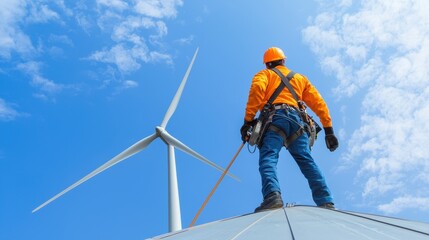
pixel 217 184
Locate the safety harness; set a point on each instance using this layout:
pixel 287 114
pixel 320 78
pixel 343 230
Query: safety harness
pixel 266 115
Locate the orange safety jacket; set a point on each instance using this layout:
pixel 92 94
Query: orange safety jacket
pixel 265 82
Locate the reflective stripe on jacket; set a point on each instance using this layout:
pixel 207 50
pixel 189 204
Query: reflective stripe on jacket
pixel 265 82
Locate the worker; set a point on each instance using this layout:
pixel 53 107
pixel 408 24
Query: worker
pixel 286 118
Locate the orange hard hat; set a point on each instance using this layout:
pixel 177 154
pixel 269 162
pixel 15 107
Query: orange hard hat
pixel 273 53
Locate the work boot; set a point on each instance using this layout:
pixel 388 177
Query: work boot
pixel 271 201
pixel 328 205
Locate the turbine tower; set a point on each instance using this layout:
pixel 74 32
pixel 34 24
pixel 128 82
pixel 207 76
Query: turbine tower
pixel 175 222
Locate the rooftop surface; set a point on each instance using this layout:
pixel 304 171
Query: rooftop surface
pixel 305 222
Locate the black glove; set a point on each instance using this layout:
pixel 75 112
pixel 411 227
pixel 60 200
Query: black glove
pixel 330 139
pixel 245 128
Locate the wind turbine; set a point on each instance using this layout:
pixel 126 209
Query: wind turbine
pixel 175 222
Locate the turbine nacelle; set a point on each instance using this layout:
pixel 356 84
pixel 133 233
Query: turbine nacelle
pixel 160 132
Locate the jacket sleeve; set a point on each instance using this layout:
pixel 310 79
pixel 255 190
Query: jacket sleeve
pixel 256 95
pixel 316 103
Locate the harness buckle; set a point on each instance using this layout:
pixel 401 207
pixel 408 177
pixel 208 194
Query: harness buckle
pixel 283 106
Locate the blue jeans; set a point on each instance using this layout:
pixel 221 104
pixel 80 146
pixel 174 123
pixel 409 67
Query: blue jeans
pixel 272 143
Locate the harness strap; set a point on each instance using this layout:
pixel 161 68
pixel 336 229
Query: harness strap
pixel 281 86
pixel 286 140
pixel 285 81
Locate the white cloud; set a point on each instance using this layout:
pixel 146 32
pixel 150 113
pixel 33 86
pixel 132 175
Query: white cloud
pixel 41 13
pixel 381 50
pixel 16 44
pixel 84 20
pixel 7 113
pixel 157 56
pixel 135 32
pixel 126 59
pixel 124 85
pixel 158 8
pixel 130 84
pixel 186 40
pixel 402 203
pixel 45 85
pixel 136 28
pixel 12 38
pixel 63 7
pixel 114 4
pixel 128 30
pixel 14 14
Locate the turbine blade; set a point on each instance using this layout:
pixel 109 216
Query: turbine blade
pixel 176 143
pixel 137 147
pixel 173 104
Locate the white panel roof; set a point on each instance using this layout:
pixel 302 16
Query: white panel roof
pixel 305 223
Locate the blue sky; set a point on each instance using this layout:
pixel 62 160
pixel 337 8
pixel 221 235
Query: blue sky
pixel 80 81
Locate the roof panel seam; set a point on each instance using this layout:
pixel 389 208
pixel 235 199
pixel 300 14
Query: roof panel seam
pixel 288 223
pixel 251 225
